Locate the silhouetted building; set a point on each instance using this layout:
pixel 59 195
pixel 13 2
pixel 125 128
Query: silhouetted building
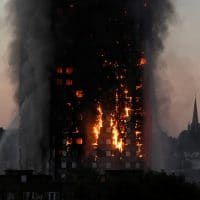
pixel 87 184
pixel 195 126
pixel 24 185
pixel 185 156
pixel 189 140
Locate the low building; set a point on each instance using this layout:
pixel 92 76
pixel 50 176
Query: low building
pixel 25 185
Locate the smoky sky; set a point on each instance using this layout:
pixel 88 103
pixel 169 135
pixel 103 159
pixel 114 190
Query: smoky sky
pixel 178 73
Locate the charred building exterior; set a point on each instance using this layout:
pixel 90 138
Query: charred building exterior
pixel 97 116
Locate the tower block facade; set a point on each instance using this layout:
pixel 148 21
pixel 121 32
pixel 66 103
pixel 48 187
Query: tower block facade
pixel 98 84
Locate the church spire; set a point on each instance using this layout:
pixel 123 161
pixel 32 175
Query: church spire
pixel 195 120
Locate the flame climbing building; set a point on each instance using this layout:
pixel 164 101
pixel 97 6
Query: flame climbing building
pixel 97 100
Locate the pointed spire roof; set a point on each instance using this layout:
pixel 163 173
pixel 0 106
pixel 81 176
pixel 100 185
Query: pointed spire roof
pixel 195 119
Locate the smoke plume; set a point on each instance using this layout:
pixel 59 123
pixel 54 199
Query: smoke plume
pixel 162 13
pixel 30 59
pixel 9 147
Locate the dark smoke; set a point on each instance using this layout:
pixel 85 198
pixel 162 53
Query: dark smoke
pixel 31 57
pixel 162 14
pixel 9 147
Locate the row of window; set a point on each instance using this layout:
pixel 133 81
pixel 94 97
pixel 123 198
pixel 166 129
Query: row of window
pixel 69 7
pixel 61 82
pixel 69 82
pixel 70 141
pixel 64 165
pixel 33 195
pixel 67 70
pixel 108 165
pixel 110 154
pixel 109 141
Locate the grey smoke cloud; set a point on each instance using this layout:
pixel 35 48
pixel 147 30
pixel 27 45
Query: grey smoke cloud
pixel 162 14
pixel 9 148
pixel 180 64
pixel 30 59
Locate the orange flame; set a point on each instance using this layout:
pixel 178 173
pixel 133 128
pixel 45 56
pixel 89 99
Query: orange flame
pixel 117 142
pixel 143 61
pixel 98 125
pixel 79 93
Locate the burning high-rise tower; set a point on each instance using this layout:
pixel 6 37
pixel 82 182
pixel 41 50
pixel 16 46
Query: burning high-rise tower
pixel 95 53
pixel 98 84
pixel 99 56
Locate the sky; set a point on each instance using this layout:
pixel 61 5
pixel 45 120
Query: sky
pixel 7 103
pixel 178 69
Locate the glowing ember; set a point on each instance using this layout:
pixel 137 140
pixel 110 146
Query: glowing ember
pixel 69 70
pixel 139 145
pixel 138 109
pixel 138 87
pixel 127 111
pixel 69 82
pixel 126 91
pixel 79 141
pixel 111 123
pixel 59 70
pixel 68 141
pixel 79 93
pixel 143 61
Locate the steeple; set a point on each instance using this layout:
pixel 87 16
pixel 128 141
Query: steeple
pixel 195 120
